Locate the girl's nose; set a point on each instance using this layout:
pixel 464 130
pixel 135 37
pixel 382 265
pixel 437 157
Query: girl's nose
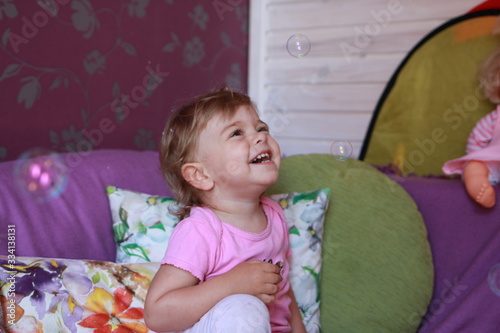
pixel 260 137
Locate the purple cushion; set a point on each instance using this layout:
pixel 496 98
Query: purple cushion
pixel 77 224
pixel 465 244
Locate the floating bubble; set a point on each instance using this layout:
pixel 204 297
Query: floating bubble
pixel 341 150
pixel 494 279
pixel 298 45
pixel 41 174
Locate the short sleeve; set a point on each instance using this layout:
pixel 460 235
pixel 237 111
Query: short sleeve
pixel 482 133
pixel 193 247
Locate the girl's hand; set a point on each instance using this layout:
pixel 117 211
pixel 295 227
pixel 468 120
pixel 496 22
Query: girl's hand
pixel 257 278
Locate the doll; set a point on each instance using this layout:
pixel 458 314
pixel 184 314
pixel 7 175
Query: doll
pixel 480 167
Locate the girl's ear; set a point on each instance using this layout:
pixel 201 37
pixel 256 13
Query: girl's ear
pixel 194 174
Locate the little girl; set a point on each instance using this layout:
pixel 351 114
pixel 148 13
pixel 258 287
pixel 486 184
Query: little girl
pixel 480 167
pixel 225 268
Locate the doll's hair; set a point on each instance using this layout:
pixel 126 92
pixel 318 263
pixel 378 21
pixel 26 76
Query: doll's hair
pixel 180 139
pixel 489 77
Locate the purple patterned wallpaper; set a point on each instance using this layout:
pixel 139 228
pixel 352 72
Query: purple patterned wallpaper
pixel 77 75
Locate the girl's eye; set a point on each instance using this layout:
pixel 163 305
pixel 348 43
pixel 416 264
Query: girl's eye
pixel 263 129
pixel 235 133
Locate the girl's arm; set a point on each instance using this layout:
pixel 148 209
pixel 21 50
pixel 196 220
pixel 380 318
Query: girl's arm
pixel 296 319
pixel 176 301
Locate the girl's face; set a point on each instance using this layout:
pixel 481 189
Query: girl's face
pixel 239 153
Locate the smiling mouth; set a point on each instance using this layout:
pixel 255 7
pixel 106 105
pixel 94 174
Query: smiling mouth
pixel 261 158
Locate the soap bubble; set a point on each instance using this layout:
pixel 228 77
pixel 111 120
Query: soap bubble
pixel 341 150
pixel 298 45
pixel 40 174
pixel 494 279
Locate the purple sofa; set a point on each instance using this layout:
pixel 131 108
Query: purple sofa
pixel 86 232
pixel 464 238
pixel 465 244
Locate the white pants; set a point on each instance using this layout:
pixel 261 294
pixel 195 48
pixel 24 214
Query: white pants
pixel 235 314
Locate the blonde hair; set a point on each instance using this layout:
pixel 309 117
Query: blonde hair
pixel 180 138
pixel 489 77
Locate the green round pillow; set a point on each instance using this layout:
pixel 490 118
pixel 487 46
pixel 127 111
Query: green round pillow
pixel 377 273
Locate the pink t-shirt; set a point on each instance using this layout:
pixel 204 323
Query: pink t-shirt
pixel 207 247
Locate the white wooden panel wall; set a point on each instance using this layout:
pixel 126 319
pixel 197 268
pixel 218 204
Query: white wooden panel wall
pixel 356 45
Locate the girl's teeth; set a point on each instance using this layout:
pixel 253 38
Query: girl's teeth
pixel 261 157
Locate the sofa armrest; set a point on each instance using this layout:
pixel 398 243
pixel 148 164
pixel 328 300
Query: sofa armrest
pixel 77 224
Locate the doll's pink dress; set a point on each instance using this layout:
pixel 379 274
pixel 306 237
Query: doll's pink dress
pixel 490 154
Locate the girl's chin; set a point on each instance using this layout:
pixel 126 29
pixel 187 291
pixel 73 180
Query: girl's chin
pixel 271 180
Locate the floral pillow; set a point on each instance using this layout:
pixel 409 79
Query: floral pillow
pixel 67 295
pixel 142 226
pixel 304 215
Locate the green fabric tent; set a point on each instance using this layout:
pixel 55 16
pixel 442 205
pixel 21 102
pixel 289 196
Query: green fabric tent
pixel 433 100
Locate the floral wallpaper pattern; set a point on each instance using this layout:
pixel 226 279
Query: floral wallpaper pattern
pixel 78 75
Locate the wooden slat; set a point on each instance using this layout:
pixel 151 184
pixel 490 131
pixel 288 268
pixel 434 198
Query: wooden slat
pixel 290 2
pixel 298 15
pixel 372 68
pixel 350 42
pixel 325 126
pixel 327 97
